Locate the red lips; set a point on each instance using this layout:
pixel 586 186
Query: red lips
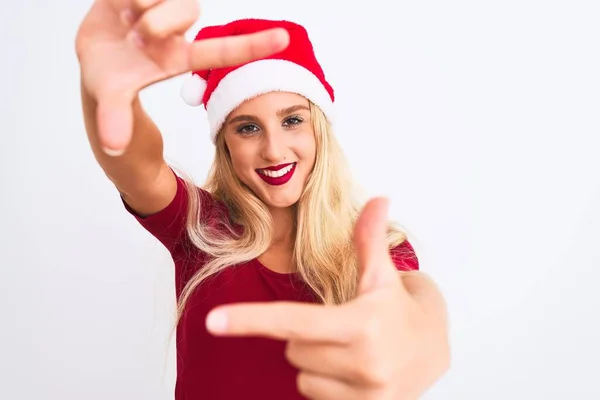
pixel 280 180
pixel 277 167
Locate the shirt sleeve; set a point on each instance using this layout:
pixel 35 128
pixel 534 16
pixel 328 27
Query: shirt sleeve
pixel 169 224
pixel 404 257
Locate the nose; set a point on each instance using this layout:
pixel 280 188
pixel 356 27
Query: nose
pixel 273 146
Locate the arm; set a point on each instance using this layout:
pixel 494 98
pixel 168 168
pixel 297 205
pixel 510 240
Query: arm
pixel 141 174
pixel 121 51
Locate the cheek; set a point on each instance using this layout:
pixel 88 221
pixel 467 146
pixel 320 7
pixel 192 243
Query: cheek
pixel 241 163
pixel 307 148
pixel 242 159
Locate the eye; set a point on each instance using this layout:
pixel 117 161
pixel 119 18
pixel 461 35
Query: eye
pixel 293 120
pixel 246 129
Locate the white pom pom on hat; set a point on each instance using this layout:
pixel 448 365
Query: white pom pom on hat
pixel 192 90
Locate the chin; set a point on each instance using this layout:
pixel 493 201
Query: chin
pixel 280 200
pixel 280 204
pixel 278 196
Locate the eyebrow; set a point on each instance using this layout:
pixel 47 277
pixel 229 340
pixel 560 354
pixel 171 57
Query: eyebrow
pixel 280 113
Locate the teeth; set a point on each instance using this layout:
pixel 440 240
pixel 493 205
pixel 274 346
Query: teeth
pixel 276 174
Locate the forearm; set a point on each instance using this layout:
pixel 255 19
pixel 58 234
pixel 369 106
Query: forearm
pixel 135 170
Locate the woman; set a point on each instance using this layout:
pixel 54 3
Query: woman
pixel 328 315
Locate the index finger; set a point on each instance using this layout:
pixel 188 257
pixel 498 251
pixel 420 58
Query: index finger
pixel 232 50
pixel 283 320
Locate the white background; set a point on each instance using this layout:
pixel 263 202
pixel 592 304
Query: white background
pixel 480 119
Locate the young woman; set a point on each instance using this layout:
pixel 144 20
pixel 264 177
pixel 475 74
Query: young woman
pixel 334 305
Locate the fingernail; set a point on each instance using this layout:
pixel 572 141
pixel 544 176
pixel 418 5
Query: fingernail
pixel 216 322
pixel 135 38
pixel 280 39
pixel 127 17
pixel 113 152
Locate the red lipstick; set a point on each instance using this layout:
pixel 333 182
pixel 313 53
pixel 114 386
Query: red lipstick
pixel 280 180
pixel 277 167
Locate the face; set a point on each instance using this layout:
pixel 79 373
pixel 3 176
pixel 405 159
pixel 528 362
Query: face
pixel 272 146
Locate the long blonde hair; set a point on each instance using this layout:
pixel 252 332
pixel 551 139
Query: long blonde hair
pixel 325 215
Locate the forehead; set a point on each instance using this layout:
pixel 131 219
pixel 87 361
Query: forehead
pixel 269 103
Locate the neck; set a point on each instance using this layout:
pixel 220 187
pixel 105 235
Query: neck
pixel 283 227
pixel 279 257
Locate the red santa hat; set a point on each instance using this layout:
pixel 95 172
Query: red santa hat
pixel 295 69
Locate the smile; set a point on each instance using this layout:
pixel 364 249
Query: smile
pixel 277 175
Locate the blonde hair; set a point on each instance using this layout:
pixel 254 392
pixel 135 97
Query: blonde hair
pixel 324 216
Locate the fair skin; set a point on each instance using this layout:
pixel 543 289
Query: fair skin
pixel 391 342
pixel 270 130
pixel 147 37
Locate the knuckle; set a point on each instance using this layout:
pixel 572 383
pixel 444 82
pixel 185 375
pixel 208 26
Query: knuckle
pixel 444 360
pixel 381 375
pixel 226 53
pixel 144 4
pixel 151 25
pixel 290 351
pixel 303 383
pixel 194 8
pixel 373 369
pixel 79 47
pixel 370 329
pixel 375 395
pixel 82 38
pixel 367 368
pixel 253 46
pixel 375 372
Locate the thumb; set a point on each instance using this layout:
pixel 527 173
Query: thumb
pixel 114 116
pixel 376 269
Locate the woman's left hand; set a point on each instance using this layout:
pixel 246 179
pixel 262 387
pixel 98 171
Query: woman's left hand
pixel 390 342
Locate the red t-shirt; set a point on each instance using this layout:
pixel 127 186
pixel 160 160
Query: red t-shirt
pixel 210 367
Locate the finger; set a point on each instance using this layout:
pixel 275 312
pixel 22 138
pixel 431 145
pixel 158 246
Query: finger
pixel 233 50
pixel 138 7
pixel 375 265
pixel 167 18
pixel 319 387
pixel 283 320
pixel 330 360
pixel 425 292
pixel 121 8
pixel 115 123
pixel 119 5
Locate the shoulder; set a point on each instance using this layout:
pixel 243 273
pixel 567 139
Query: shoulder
pixel 211 213
pixel 405 257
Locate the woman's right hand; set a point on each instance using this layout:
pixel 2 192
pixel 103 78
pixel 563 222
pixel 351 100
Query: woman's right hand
pixel 125 45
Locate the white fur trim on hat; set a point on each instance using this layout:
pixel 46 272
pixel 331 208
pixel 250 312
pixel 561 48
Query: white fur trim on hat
pixel 192 90
pixel 260 77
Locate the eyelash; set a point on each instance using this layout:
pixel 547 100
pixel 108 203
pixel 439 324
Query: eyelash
pixel 241 129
